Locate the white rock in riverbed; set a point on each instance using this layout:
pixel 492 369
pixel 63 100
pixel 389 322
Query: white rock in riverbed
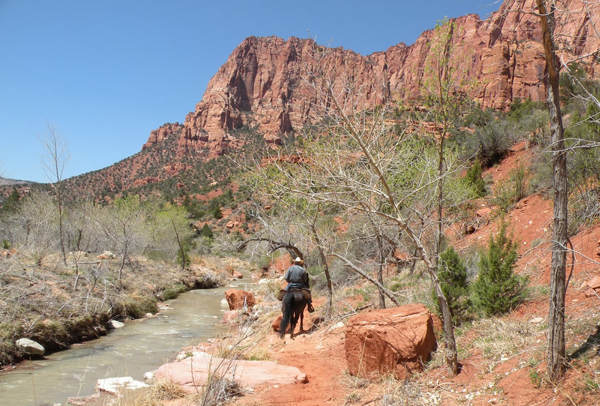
pixel 30 347
pixel 115 385
pixel 114 324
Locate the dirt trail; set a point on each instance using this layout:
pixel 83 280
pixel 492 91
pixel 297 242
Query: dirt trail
pixel 321 356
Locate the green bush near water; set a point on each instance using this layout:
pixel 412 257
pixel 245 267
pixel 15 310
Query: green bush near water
pixel 173 292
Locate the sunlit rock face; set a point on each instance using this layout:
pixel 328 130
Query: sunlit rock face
pixel 264 83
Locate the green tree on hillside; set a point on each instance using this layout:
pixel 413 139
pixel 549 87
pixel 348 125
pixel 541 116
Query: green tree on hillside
pixel 498 289
pixel 11 203
pixel 205 231
pixel 474 179
pixel 453 279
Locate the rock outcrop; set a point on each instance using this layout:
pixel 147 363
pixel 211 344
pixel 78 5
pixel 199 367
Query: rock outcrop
pixel 397 340
pixel 593 286
pixel 263 84
pixel 239 299
pixel 193 372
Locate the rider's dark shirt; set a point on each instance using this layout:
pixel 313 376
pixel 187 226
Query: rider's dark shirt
pixel 297 275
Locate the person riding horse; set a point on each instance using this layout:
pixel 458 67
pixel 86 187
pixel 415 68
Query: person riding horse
pixel 297 278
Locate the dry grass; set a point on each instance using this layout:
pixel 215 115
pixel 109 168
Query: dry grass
pixel 409 392
pixel 157 395
pixel 501 339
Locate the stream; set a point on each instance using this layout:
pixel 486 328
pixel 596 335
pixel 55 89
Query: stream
pixel 139 347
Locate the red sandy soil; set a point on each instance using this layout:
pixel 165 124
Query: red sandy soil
pixel 320 354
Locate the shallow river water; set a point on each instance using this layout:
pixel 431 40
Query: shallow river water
pixel 139 347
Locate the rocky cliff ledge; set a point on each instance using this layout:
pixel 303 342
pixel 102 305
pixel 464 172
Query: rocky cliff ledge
pixel 261 84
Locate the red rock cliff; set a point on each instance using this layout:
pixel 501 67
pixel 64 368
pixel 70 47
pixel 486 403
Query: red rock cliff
pixel 262 84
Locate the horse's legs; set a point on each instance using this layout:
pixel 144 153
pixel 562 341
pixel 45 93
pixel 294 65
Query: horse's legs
pixel 302 320
pixel 293 324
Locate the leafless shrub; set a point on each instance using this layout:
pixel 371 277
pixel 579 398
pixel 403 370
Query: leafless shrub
pixel 156 396
pixel 219 391
pixel 409 392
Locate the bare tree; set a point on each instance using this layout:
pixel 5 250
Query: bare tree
pixel 292 225
pixel 318 240
pixel 125 229
pixel 81 235
pixel 54 157
pixel 33 226
pixel 556 315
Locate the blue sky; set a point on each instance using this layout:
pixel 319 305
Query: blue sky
pixel 105 73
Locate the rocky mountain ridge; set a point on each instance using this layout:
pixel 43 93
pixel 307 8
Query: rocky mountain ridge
pixel 261 92
pixel 262 83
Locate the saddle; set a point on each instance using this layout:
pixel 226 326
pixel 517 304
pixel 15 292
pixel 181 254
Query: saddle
pixel 305 293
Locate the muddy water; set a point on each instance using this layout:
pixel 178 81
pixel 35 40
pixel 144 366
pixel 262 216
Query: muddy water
pixel 139 347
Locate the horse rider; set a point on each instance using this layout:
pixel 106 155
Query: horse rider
pixel 297 278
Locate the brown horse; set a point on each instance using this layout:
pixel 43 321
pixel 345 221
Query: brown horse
pixel 293 305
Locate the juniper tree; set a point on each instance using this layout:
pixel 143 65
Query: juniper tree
pixel 452 273
pixel 498 289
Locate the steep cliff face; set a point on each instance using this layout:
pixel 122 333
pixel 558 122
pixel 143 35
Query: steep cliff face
pixel 263 82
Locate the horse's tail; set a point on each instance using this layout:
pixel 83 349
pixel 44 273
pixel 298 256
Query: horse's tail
pixel 288 298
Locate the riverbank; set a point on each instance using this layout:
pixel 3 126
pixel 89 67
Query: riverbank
pixel 57 305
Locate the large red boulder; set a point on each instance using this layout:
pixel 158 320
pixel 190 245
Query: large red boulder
pixel 397 340
pixel 236 299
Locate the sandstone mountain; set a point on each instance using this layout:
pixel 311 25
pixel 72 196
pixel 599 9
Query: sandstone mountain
pixel 261 92
pixel 261 85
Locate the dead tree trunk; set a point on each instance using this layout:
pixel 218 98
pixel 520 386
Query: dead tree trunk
pixel 556 315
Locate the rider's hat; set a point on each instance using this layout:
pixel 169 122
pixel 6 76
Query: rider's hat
pixel 298 260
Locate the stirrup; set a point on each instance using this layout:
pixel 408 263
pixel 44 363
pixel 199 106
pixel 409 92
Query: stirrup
pixel 311 308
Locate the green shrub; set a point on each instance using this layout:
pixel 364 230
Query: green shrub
pixel 205 231
pixel 173 292
pixel 136 306
pixel 452 274
pixel 217 213
pixel 52 334
pixel 474 179
pixel 493 141
pixel 498 290
pixel 511 190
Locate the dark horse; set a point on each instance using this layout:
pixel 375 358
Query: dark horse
pixel 293 305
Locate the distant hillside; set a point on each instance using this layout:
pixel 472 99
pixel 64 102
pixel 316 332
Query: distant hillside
pixel 161 169
pixel 13 182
